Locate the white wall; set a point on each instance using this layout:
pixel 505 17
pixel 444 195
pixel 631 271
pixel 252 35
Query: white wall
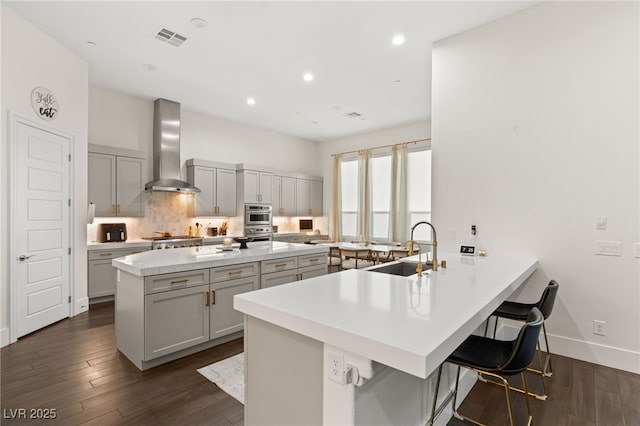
pixel 535 133
pixel 31 58
pixel 388 136
pixel 202 136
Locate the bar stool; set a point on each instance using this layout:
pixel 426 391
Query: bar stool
pixel 518 311
pixel 495 358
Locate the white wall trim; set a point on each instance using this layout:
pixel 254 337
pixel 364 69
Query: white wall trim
pixel 596 353
pixel 4 337
pixel 80 306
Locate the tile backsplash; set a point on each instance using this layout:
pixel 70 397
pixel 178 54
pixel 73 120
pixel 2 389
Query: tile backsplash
pixel 169 212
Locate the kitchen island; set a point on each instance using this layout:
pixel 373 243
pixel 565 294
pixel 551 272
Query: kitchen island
pixel 359 347
pixel 175 302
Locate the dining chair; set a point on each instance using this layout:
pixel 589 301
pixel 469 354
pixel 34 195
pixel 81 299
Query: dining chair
pixel 356 258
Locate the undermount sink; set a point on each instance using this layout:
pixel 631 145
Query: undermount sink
pixel 403 269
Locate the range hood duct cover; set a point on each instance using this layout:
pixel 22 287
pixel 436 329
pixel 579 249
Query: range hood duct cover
pixel 166 149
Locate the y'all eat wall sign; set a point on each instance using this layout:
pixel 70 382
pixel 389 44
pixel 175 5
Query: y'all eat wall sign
pixel 44 103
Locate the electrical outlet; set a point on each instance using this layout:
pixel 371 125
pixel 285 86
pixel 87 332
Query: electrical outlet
pixel 609 248
pixel 636 250
pixel 452 234
pixel 335 364
pixel 601 222
pixel 598 328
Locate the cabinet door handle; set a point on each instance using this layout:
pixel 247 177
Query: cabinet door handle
pixel 281 265
pixel 118 208
pixel 113 208
pixel 235 272
pixel 105 254
pixel 213 297
pixel 206 298
pixel 179 282
pixel 315 259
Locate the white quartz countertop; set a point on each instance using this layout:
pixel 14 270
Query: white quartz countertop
pixel 122 245
pixel 409 323
pixel 157 262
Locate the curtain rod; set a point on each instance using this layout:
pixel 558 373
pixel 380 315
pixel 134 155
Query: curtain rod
pixel 382 146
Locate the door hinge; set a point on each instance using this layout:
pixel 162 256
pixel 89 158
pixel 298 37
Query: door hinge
pixel 69 157
pixel 69 250
pixel 69 202
pixel 69 299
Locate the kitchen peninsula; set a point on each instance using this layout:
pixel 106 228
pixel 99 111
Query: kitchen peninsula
pixel 172 303
pixel 359 347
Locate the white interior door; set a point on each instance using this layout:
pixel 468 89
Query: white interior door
pixel 41 228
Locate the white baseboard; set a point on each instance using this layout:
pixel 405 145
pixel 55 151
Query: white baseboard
pixel 4 337
pixel 81 306
pixel 596 353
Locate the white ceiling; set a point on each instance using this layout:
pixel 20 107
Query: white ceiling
pixel 262 49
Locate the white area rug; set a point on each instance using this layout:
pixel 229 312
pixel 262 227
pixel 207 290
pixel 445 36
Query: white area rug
pixel 228 374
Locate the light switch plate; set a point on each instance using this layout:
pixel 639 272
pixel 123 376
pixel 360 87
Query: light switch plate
pixel 601 222
pixel 608 248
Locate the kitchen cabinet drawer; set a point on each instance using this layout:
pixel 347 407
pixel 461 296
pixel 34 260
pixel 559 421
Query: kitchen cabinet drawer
pixel 312 260
pixel 312 271
pixel 277 265
pixel 224 273
pixel 278 278
pixel 175 320
pixel 112 254
pixel 166 282
pixel 224 319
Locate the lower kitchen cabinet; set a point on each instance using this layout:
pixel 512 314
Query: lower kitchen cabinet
pixel 291 269
pixel 224 319
pixel 175 320
pixel 101 275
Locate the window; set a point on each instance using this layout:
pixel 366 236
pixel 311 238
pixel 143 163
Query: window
pixel 380 196
pixel 349 188
pixel 419 190
pixel 380 168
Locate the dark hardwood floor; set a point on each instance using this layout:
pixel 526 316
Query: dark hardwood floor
pixel 74 367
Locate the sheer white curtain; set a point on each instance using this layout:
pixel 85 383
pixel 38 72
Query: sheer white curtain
pixel 398 210
pixel 336 212
pixel 364 194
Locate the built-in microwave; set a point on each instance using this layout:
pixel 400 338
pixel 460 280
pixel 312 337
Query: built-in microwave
pixel 257 214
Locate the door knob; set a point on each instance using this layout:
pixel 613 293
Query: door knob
pixel 23 257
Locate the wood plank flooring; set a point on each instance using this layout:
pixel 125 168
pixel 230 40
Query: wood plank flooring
pixel 74 367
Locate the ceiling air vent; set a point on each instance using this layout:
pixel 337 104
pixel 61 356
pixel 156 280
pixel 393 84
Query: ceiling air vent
pixel 353 114
pixel 170 37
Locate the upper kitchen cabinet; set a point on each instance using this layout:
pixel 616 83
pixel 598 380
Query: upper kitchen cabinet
pixel 116 181
pixel 217 183
pixel 255 186
pixel 284 196
pixel 309 197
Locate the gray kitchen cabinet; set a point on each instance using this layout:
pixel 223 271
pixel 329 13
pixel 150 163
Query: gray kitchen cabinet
pixel 284 196
pixel 291 269
pixel 224 319
pixel 217 184
pixel 116 182
pixel 254 186
pixel 175 320
pixel 308 197
pixel 101 275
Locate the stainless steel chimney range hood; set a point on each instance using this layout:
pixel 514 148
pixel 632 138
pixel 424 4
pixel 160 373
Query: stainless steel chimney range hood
pixel 166 149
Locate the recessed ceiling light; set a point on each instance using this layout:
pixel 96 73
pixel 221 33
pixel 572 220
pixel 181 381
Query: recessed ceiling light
pixel 91 43
pixel 149 67
pixel 199 23
pixel 397 40
pixel 251 101
pixel 313 122
pixel 307 76
pixel 397 81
